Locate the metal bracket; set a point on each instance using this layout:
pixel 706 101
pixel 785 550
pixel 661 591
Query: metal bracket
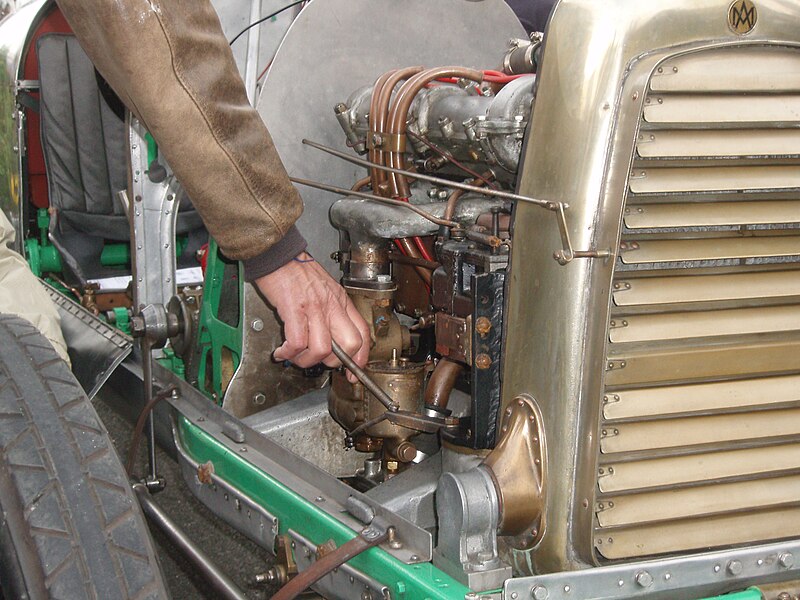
pixel 155 211
pixel 232 506
pixel 567 254
pixel 467 550
pixel 342 582
pixel 684 577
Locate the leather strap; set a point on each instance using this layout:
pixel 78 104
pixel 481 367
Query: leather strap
pixel 368 538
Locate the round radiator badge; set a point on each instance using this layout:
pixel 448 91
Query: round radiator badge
pixel 742 16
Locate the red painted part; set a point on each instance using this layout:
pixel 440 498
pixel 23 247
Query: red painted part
pixel 202 255
pixel 53 22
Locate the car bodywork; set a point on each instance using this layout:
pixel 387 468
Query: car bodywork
pixel 628 421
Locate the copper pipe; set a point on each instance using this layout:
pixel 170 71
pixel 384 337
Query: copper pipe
pixel 381 96
pixel 441 383
pixel 452 201
pixel 415 262
pixel 407 245
pixel 382 112
pixel 361 183
pixel 452 159
pixel 399 114
pixel 375 154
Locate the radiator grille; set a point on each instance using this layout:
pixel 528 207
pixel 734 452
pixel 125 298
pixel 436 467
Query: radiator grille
pixel 701 407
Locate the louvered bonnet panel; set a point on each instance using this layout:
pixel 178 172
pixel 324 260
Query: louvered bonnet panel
pixel 700 416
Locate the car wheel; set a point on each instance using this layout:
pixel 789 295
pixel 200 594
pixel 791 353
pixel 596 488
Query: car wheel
pixel 70 526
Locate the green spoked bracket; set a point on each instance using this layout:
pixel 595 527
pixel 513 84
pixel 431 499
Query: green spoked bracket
pixel 219 336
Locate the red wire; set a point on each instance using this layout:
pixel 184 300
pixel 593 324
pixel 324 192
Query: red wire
pixel 490 76
pixel 422 248
pixel 269 64
pixel 501 79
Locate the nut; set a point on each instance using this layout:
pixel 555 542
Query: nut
pixel 483 326
pixel 483 361
pixel 406 452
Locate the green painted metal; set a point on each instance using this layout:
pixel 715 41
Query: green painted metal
pixel 115 255
pixel 152 148
pixel 407 582
pixel 42 256
pixel 122 320
pixel 219 343
pixel 119 255
pixel 173 362
pixel 751 593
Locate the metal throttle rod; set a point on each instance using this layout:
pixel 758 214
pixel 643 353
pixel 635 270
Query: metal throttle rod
pixel 437 180
pixel 365 379
pixel 152 480
pixel 222 584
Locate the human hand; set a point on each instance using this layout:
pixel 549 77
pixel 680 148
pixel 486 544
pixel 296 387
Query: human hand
pixel 314 309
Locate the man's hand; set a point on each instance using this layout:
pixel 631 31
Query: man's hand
pixel 314 309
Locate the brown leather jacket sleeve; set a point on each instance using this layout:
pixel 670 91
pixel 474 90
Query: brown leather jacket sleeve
pixel 171 65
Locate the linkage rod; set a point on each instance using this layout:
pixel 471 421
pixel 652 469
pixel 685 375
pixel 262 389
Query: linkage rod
pixel 365 379
pixel 437 180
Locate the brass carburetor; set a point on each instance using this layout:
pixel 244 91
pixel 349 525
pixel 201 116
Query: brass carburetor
pixel 371 288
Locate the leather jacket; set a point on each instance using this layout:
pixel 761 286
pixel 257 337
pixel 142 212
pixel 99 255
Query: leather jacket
pixel 171 65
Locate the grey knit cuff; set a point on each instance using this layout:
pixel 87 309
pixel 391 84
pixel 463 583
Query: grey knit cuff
pixel 274 257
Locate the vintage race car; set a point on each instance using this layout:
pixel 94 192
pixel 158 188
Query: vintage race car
pixel 578 255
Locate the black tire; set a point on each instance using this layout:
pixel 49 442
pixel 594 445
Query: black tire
pixel 70 526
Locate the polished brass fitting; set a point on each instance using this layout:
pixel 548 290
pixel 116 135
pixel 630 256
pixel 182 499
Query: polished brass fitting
pixel 518 468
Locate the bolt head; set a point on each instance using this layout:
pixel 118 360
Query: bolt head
pixel 539 593
pixel 644 579
pixel 257 325
pixel 786 560
pixel 735 567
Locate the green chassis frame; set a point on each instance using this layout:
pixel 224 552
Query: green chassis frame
pixel 421 581
pixel 412 582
